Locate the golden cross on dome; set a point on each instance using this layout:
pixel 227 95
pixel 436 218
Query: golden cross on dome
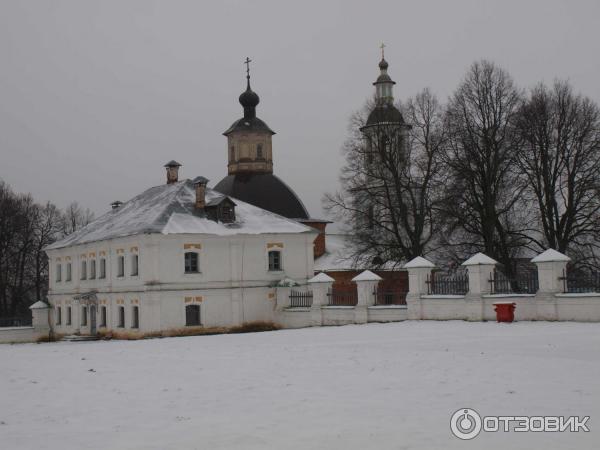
pixel 247 62
pixel 382 46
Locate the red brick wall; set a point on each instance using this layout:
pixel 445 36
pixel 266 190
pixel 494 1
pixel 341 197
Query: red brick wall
pixel 394 280
pixel 319 244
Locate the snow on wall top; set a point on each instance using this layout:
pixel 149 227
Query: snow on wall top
pixel 479 259
pixel 170 209
pixel 550 255
pixel 321 278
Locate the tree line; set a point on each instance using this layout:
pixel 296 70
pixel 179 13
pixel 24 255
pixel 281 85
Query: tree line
pixel 26 228
pixel 497 169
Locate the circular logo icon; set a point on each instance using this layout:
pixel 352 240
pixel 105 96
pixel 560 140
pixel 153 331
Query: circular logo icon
pixel 465 423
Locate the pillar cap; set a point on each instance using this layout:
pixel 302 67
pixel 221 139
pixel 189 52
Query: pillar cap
pixel 479 259
pixel 550 255
pixel 419 262
pixel 39 305
pixel 367 275
pixel 321 278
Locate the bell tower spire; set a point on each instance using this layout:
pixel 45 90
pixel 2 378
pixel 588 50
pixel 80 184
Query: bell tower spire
pixel 384 84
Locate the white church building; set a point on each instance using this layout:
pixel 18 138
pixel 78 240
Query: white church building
pixel 177 255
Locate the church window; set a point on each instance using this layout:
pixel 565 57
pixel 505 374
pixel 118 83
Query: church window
pixel 92 269
pixel 102 268
pixel 84 317
pixel 121 317
pixel 232 150
pixel 191 262
pixel 58 272
pixel 192 315
pixel 103 316
pixel 83 274
pixel 68 277
pixel 274 260
pixel 58 315
pixel 135 317
pixel 121 266
pixel 69 315
pixel 134 265
pixel 259 151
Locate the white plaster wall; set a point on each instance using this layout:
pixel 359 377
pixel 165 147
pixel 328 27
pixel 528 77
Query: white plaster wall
pixel 19 335
pixel 578 307
pixel 442 307
pixel 381 314
pixel 337 315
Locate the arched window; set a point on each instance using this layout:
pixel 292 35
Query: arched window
pixel 275 260
pixel 192 315
pixel 259 152
pixel 58 315
pixel 135 317
pixel 121 317
pixel 232 153
pixel 191 262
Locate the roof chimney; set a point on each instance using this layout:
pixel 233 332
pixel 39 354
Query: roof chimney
pixel 200 185
pixel 172 171
pixel 116 204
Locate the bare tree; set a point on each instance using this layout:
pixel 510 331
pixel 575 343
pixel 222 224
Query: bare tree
pixel 388 182
pixel 484 210
pixel 76 217
pixel 561 160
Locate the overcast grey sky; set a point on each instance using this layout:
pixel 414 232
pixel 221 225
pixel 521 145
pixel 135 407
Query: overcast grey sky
pixel 95 96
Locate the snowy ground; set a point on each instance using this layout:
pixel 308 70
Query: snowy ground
pixel 377 386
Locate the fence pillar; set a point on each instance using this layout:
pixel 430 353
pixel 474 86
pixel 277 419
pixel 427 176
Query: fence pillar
pixel 40 317
pixel 551 266
pixel 366 283
pixel 480 268
pixel 419 269
pixel 320 285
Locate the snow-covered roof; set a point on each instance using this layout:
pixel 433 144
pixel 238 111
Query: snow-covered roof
pixel 339 255
pixel 417 262
pixel 367 275
pixel 321 278
pixel 39 305
pixel 550 255
pixel 170 209
pixel 479 259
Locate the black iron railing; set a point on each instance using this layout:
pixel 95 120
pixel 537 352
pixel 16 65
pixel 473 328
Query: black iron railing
pixel 23 321
pixel 342 298
pixel 524 283
pixel 299 299
pixel 580 282
pixel 389 297
pixel 447 285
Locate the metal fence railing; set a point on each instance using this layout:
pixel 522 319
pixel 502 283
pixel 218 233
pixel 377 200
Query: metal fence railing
pixel 447 284
pixel 342 298
pixel 524 283
pixel 581 282
pixel 22 321
pixel 389 297
pixel 301 299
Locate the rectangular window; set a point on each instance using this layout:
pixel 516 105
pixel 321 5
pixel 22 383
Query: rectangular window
pixel 274 260
pixel 121 317
pixel 134 265
pixel 58 315
pixel 84 318
pixel 68 271
pixel 93 269
pixel 191 262
pixel 69 315
pixel 121 266
pixel 58 272
pixel 83 274
pixel 103 316
pixel 102 268
pixel 135 317
pixel 192 315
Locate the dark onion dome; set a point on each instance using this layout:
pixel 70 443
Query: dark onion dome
pixel 383 64
pixel 384 114
pixel 264 190
pixel 249 98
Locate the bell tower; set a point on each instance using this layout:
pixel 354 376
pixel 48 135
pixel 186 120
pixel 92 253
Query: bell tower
pixel 249 145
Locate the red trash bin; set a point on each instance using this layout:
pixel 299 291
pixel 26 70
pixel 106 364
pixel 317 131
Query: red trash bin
pixel 505 311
